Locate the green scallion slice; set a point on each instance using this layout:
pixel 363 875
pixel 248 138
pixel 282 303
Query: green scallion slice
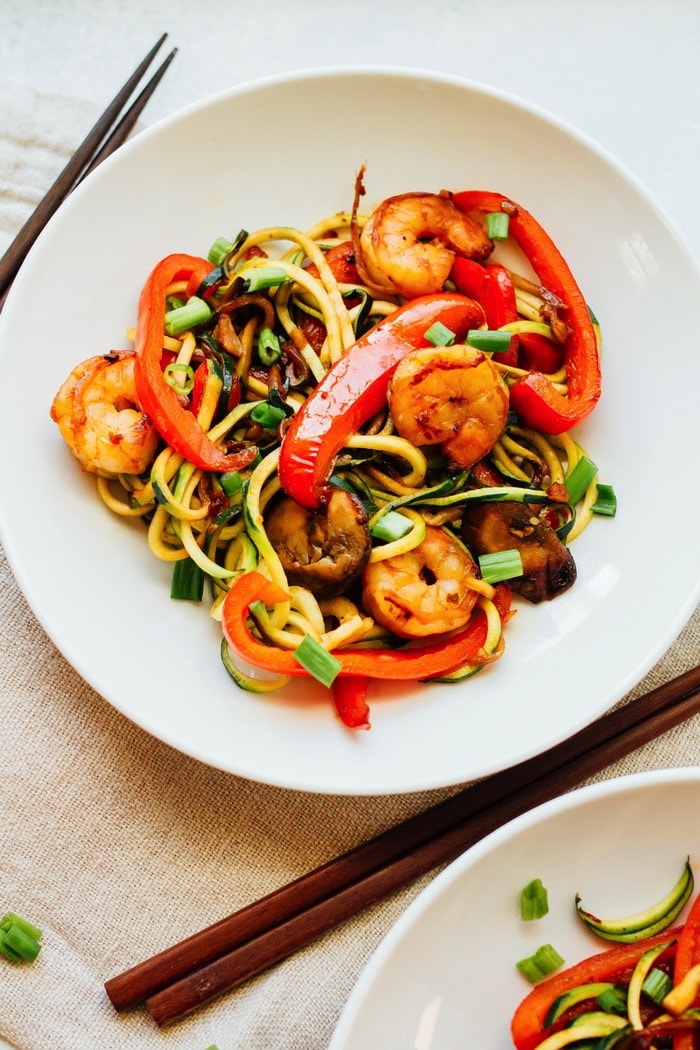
pixel 606 502
pixel 19 939
pixel 657 985
pixel 490 340
pixel 11 918
pixel 267 415
pixel 320 664
pixel 439 334
pixel 497 225
pixel 534 902
pixel 179 376
pixel 580 478
pixel 231 482
pixel 391 526
pixel 187 581
pixel 219 250
pixel 501 565
pixel 269 349
pixel 612 1001
pixel 544 961
pixel 8 952
pixel 20 942
pixel 261 277
pixel 182 318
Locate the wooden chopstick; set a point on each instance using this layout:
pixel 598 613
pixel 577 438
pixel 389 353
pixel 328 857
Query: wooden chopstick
pixel 97 145
pixel 181 978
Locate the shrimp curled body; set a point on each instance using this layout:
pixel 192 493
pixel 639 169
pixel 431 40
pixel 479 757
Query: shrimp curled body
pixel 98 414
pixel 409 242
pixel 452 396
pixel 423 591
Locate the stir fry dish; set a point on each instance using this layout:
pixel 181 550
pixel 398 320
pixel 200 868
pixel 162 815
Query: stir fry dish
pixel 357 436
pixel 642 993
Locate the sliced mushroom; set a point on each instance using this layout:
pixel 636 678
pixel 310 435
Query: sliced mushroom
pixel 324 550
pixel 494 526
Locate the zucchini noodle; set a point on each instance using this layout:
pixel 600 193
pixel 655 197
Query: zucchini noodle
pixel 218 525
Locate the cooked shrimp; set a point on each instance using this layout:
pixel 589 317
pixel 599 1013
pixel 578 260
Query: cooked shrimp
pixel 452 396
pixel 409 242
pixel 424 591
pixel 99 416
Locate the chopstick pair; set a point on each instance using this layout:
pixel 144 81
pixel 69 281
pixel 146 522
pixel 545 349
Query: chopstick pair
pixel 184 977
pixel 103 139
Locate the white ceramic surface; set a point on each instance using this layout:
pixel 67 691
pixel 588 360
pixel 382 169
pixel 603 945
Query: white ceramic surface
pixel 444 978
pixel 210 170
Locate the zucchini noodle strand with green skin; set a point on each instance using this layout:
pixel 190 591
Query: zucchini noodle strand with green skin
pixel 403 513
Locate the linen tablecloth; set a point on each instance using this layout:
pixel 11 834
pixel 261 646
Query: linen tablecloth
pixel 117 846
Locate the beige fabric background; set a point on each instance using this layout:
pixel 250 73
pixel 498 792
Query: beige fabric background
pixel 117 846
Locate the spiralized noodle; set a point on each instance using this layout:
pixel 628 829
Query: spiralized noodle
pixel 218 524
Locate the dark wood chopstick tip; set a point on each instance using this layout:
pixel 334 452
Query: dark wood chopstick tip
pixel 380 866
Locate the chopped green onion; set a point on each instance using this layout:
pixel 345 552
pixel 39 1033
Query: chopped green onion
pixel 269 349
pixel 20 942
pixel 187 582
pixel 439 335
pixel 11 918
pixel 606 503
pixel 173 373
pixel 172 302
pixel 261 277
pixel 268 416
pixel 657 985
pixel 321 664
pixel 497 225
pixel 501 565
pixel 580 478
pixel 612 1001
pixel 392 526
pixel 182 318
pixel 19 939
pixel 490 340
pixel 231 482
pixel 219 250
pixel 544 961
pixel 534 903
pixel 8 952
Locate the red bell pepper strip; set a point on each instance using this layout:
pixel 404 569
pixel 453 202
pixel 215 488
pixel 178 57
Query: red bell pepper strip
pixel 350 698
pixel 687 956
pixel 201 376
pixel 533 397
pixel 157 398
pixel 355 389
pixel 492 287
pixel 407 664
pixel 537 353
pixel 615 965
pixel 341 260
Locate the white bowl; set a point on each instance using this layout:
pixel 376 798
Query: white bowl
pixel 286 151
pixel 444 977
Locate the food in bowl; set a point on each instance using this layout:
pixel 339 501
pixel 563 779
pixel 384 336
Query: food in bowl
pixel 358 434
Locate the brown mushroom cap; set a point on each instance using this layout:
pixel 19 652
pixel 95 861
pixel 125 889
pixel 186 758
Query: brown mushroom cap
pixel 548 567
pixel 324 550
